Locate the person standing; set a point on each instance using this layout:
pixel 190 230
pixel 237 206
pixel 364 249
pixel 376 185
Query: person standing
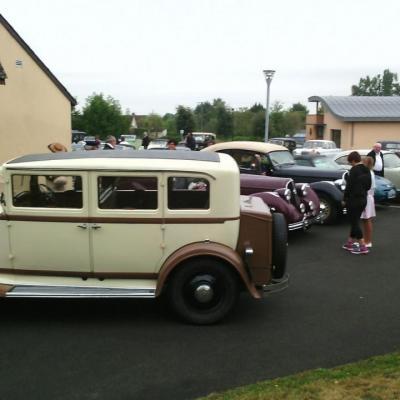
pixel 190 141
pixel 171 144
pixel 145 141
pixel 377 156
pixel 369 211
pixel 110 143
pixel 355 199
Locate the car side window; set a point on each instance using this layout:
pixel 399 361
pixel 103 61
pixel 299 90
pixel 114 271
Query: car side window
pixel 47 191
pixel 127 193
pixel 186 192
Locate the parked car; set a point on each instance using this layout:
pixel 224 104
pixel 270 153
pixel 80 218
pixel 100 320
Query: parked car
pixel 297 202
pixel 203 138
pixel 384 189
pixel 317 147
pixel 391 145
pixel 137 224
pixel 289 143
pixel 158 144
pixel 392 167
pixel 274 160
pixel 300 138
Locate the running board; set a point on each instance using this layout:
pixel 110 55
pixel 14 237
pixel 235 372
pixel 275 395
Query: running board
pixel 78 292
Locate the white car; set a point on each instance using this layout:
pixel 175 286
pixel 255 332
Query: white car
pixel 325 147
pixel 137 224
pixel 158 144
pixel 391 161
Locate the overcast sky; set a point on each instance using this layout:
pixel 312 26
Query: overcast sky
pixel 153 55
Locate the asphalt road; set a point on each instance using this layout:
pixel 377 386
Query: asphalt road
pixel 339 308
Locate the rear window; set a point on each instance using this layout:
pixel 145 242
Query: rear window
pixel 186 192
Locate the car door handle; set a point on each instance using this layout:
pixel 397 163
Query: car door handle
pixel 95 226
pixel 83 226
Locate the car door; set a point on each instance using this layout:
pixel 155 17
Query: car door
pixel 48 222
pixel 126 226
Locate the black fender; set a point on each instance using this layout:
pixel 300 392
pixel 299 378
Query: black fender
pixel 329 189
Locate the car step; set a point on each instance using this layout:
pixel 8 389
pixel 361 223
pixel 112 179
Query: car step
pixel 78 292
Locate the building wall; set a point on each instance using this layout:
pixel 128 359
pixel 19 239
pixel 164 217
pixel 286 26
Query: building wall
pixel 33 111
pixel 360 135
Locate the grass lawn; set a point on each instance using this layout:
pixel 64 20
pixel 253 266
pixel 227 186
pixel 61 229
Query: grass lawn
pixel 377 378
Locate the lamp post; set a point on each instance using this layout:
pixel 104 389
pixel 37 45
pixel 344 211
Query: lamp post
pixel 269 73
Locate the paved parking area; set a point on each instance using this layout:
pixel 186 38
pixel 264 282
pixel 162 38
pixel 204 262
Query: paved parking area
pixel 339 308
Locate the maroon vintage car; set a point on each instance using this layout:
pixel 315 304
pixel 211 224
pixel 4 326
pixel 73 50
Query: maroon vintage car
pixel 297 202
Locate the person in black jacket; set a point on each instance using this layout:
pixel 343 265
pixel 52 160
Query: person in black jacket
pixel 376 154
pixel 355 199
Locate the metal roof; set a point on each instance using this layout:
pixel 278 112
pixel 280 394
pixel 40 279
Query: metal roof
pixel 361 108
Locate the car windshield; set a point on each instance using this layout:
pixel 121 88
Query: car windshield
pixel 325 163
pixel 281 157
pixel 391 160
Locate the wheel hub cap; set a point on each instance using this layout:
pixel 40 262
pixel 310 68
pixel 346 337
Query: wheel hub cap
pixel 204 293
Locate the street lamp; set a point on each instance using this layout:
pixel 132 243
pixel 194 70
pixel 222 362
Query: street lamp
pixel 269 73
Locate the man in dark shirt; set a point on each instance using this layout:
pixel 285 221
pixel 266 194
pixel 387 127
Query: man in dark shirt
pixel 190 141
pixel 376 154
pixel 355 199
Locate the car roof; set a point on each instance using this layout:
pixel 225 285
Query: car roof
pixel 245 145
pixel 363 152
pixel 123 160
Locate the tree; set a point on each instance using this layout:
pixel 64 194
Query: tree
pixel 385 85
pixel 256 107
pixel 153 123
pixel 298 107
pixel 102 116
pixel 184 119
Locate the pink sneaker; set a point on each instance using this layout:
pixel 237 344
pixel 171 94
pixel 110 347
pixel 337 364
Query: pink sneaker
pixel 348 245
pixel 361 249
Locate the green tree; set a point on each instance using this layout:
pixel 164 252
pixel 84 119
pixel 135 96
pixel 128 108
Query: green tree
pixel 379 85
pixel 102 116
pixel 257 126
pixel 170 125
pixel 256 107
pixel 153 123
pixel 184 119
pixel 298 107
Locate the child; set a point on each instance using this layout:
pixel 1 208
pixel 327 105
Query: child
pixel 369 211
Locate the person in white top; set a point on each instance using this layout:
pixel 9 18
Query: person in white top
pixel 369 211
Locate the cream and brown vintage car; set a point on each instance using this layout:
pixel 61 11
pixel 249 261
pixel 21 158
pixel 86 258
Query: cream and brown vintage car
pixel 105 224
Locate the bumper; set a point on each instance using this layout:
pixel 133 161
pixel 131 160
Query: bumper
pixel 304 224
pixel 275 286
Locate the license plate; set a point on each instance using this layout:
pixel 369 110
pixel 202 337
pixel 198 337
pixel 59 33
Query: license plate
pixel 391 194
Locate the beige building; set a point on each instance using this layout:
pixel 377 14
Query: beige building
pixel 35 108
pixel 354 122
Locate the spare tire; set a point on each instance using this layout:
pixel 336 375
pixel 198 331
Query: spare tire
pixel 279 245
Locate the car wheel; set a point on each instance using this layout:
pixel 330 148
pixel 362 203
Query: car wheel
pixel 279 245
pixel 203 291
pixel 329 210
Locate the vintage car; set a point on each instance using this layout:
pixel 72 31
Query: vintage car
pixel 274 160
pixel 289 143
pixel 384 189
pixel 297 202
pixel 317 147
pixel 108 224
pixel 391 172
